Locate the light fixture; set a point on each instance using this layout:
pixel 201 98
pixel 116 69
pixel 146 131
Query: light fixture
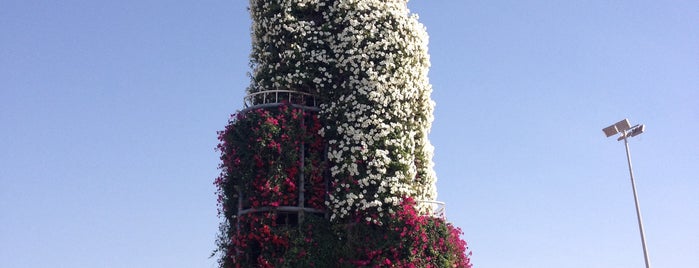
pixel 617 127
pixel 627 131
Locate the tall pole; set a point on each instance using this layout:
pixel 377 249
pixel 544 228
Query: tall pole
pixel 635 198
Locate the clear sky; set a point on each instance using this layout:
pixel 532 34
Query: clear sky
pixel 109 112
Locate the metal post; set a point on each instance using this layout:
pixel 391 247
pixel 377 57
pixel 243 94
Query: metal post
pixel 302 167
pixel 635 198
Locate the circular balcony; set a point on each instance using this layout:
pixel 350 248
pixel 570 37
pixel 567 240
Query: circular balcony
pixel 276 97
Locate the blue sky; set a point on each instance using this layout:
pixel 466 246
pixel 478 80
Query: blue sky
pixel 109 112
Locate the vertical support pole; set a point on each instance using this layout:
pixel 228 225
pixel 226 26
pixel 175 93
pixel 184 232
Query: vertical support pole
pixel 238 213
pixel 302 166
pixel 635 198
pixel 326 178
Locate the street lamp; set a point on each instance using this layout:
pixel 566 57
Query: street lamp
pixel 627 131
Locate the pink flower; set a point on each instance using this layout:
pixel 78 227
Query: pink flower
pixel 272 121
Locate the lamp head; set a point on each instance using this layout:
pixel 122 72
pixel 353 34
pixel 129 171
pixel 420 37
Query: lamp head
pixel 637 130
pixel 617 127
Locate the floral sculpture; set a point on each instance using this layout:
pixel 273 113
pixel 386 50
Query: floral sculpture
pixel 329 164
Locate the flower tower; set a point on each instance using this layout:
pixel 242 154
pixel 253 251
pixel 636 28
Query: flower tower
pixel 329 163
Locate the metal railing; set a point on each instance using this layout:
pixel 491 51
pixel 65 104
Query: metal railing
pixel 432 208
pixel 279 96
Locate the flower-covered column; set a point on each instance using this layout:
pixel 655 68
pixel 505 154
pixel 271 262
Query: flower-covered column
pixel 273 157
pixel 329 164
pixel 379 109
pixel 289 46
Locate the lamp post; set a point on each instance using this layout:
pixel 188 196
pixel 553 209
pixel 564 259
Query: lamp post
pixel 627 131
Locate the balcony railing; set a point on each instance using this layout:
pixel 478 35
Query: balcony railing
pixel 432 208
pixel 279 96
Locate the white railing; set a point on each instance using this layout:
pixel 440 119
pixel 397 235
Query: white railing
pixel 432 208
pixel 278 96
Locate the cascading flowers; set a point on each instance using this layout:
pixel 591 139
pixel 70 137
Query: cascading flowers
pixel 261 163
